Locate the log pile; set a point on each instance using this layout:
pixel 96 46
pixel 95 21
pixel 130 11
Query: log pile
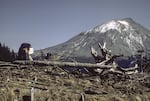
pixel 107 58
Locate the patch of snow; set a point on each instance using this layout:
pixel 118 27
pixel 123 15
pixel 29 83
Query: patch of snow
pixel 131 39
pixel 119 25
pixel 82 41
pixel 85 33
pixel 77 48
pixel 126 25
pixel 137 38
pixel 77 44
pixel 104 46
pixel 105 27
pixel 113 37
pixel 144 37
pixel 128 41
pixel 84 44
pixel 108 26
pixel 121 37
pixel 124 22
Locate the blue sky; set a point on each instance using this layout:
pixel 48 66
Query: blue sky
pixel 45 23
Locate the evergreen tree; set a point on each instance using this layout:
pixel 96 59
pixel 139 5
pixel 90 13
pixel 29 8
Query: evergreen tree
pixel 42 57
pixel 13 55
pixel 6 54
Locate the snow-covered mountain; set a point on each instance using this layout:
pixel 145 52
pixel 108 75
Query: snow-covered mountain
pixel 123 36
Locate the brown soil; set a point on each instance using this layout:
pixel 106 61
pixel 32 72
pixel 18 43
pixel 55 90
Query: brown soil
pixel 54 84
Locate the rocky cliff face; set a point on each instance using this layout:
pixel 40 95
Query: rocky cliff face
pixel 122 36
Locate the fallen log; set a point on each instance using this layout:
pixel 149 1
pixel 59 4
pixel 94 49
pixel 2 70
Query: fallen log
pixel 104 67
pixel 63 64
pixel 8 66
pixel 94 92
pixel 128 69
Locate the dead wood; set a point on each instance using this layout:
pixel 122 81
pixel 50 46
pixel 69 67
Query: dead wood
pixel 93 92
pixel 7 64
pixel 63 64
pixel 128 69
pixel 108 58
pixel 2 66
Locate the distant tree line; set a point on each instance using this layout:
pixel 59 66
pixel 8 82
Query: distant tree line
pixel 47 56
pixel 6 54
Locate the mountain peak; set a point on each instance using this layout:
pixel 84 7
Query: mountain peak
pixel 123 36
pixel 127 19
pixel 117 24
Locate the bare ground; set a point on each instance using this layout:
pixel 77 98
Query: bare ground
pixel 54 84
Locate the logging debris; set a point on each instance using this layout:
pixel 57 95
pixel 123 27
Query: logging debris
pixel 50 85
